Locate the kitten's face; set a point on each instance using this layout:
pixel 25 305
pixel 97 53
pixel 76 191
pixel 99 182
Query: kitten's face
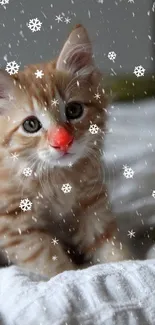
pixel 47 120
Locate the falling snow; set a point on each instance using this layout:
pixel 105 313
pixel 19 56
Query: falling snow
pixel 27 172
pixel 54 258
pixel 139 71
pixel 70 164
pixel 131 233
pixel 112 56
pixel 4 2
pixel 34 25
pixel 153 194
pixel 39 74
pixel 59 18
pixel 93 129
pixel 14 156
pixel 54 102
pixel 12 67
pixel 67 20
pixel 25 205
pixel 66 188
pixel 128 172
pixel 97 96
pixel 62 21
pixel 54 241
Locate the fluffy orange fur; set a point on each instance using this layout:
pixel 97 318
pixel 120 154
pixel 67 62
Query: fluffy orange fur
pixel 78 217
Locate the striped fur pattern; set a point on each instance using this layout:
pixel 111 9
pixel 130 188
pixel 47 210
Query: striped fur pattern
pixel 75 218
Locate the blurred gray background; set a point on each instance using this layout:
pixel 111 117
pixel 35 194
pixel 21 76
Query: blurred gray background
pixel 114 25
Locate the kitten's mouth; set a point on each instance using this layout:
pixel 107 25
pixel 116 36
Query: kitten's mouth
pixel 66 159
pixel 66 155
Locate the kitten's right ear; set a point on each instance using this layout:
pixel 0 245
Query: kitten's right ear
pixel 6 90
pixel 76 53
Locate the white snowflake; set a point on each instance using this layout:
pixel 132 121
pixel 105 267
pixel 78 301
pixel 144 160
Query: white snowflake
pixel 131 233
pixel 67 20
pixel 39 74
pixel 4 2
pixel 93 129
pixel 14 156
pixel 12 67
pixel 54 258
pixel 70 164
pixel 59 18
pixel 27 172
pixel 54 102
pixel 100 1
pixel 139 71
pixel 25 205
pixel 54 241
pixel 66 188
pixel 153 7
pixel 112 56
pixel 128 172
pixel 131 1
pixel 97 96
pixel 34 25
pixel 153 194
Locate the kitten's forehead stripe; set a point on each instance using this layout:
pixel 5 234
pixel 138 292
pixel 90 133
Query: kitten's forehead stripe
pixel 42 90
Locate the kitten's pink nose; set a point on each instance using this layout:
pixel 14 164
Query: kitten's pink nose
pixel 60 138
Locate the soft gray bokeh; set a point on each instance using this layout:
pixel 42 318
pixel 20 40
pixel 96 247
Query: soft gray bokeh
pixel 117 26
pixel 130 141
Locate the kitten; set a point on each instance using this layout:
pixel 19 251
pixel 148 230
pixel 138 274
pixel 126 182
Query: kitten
pixel 55 126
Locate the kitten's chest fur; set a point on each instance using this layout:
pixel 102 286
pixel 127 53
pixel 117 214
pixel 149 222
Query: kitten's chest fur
pixel 60 214
pixel 64 213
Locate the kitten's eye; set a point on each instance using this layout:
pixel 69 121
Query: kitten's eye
pixel 32 124
pixel 74 110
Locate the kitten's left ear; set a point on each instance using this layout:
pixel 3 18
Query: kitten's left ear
pixel 6 90
pixel 76 53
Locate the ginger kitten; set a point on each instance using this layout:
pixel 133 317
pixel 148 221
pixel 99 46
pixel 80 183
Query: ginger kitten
pixel 45 126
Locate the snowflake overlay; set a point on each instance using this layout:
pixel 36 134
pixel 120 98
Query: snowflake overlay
pixel 139 71
pixel 4 2
pixel 12 67
pixel 97 96
pixel 93 129
pixel 54 102
pixel 25 205
pixel 67 20
pixel 54 241
pixel 128 172
pixel 153 7
pixel 112 56
pixel 54 258
pixel 34 25
pixel 59 19
pixel 14 156
pixel 131 233
pixel 27 172
pixel 66 188
pixel 153 194
pixel 39 74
